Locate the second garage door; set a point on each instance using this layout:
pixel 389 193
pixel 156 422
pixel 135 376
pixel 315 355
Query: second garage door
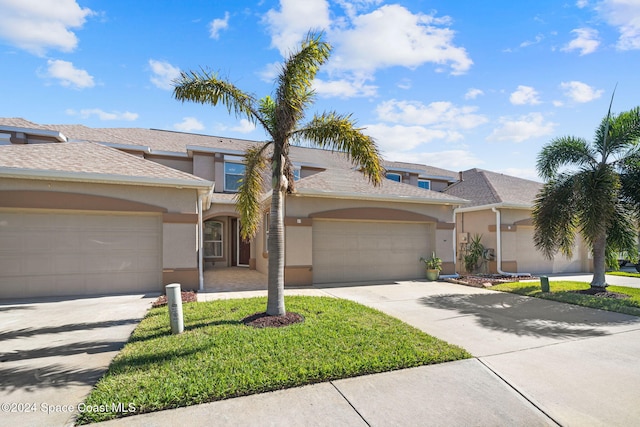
pixel 53 253
pixel 346 251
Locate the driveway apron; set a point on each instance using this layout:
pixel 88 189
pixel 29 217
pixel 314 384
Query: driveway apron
pixel 577 365
pixel 52 352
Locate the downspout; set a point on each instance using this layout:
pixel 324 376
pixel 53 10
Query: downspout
pixel 499 247
pixel 454 239
pixel 200 245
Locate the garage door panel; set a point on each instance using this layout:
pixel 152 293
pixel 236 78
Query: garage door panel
pixel 345 251
pixel 45 254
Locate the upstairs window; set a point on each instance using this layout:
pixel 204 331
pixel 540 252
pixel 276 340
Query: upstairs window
pixel 233 174
pixel 296 174
pixel 424 183
pixel 394 177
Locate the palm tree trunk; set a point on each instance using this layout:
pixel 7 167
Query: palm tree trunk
pixel 599 262
pixel 275 290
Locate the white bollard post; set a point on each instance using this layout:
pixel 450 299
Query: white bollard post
pixel 174 301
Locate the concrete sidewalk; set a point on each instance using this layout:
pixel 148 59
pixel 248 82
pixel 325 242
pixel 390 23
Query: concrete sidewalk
pixel 536 362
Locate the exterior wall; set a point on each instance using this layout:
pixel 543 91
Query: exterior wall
pixel 299 226
pixel 439 185
pixel 179 163
pixel 519 254
pixel 204 166
pixel 179 218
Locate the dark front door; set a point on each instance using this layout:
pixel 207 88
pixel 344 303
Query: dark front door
pixel 243 247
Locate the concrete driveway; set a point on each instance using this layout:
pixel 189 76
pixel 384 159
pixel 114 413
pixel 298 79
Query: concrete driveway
pixel 52 352
pixel 578 366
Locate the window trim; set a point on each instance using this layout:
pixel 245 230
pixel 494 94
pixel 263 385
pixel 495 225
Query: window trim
pixel 221 241
pixel 424 180
pixel 225 174
pixel 395 174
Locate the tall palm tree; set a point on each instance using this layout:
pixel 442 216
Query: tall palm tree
pixel 281 116
pixel 591 189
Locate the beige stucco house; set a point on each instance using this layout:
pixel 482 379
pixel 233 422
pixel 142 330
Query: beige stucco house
pixel 500 211
pixel 109 210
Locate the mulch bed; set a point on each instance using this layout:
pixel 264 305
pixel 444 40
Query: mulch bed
pixel 263 320
pixel 601 294
pixel 486 280
pixel 187 296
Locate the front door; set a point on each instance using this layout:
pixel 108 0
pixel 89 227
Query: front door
pixel 244 248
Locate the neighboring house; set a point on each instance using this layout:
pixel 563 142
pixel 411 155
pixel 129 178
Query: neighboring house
pixel 90 211
pixel 427 177
pixel 500 211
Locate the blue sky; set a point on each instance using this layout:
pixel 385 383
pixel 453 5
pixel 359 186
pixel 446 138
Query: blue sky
pixel 453 84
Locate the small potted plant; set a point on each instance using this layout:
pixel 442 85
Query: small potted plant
pixel 433 265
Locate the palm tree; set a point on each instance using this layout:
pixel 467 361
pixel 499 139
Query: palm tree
pixel 281 116
pixel 591 189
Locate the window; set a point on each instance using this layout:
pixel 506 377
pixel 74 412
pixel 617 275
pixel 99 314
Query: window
pixel 212 239
pixel 424 183
pixel 233 174
pixel 394 177
pixel 296 174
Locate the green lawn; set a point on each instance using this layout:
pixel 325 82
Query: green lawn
pixel 623 273
pixel 218 357
pixel 559 292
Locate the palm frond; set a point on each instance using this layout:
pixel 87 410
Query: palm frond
pixel 564 151
pixel 595 198
pixel 294 92
pixel 622 234
pixel 555 217
pixel 339 132
pixel 251 188
pixel 207 88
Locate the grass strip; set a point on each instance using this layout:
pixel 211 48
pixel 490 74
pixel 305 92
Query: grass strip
pixel 623 273
pixel 561 291
pixel 218 357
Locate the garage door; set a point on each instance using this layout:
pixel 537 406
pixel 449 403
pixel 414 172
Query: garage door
pixel 51 254
pixel 345 251
pixel 530 260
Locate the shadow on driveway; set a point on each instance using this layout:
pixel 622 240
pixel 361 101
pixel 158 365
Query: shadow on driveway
pixel 520 315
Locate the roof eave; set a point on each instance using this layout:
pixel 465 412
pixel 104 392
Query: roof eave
pixel 500 205
pixel 379 197
pixel 103 178
pixel 36 132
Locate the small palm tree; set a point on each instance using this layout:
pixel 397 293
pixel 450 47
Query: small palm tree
pixel 281 117
pixel 591 189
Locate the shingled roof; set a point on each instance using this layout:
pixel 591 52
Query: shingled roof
pixel 87 161
pixel 423 170
pixel 354 184
pixel 484 187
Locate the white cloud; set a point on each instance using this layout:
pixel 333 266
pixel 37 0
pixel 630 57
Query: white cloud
pixel 39 25
pixel 244 126
pixel 440 115
pixel 536 40
pixel 163 74
pixel 625 16
pixel 68 75
pixel 580 92
pixel 473 93
pixel 524 95
pixel 344 88
pixel 532 125
pixel 449 159
pixel 289 25
pixel 188 124
pixel 218 25
pixel 581 4
pixel 586 41
pixel 103 115
pixel 406 138
pixel 401 38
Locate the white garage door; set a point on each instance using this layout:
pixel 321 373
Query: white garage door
pixel 345 251
pixel 51 254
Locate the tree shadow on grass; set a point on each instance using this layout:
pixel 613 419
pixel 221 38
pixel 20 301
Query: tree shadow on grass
pixel 525 316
